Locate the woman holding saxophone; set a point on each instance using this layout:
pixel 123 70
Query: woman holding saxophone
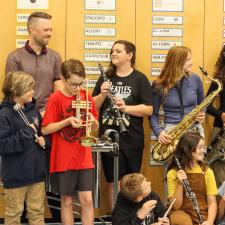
pixel 132 96
pixel 178 91
pixel 192 183
pixel 218 166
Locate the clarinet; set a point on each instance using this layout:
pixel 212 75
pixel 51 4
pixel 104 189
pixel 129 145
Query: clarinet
pixel 111 96
pixel 190 194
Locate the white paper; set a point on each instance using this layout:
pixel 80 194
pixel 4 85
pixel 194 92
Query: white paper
pixel 96 18
pixel 94 31
pixel 158 58
pixel 100 4
pixel 96 57
pixel 22 17
pixel 165 45
pixel 20 43
pixel 156 71
pixel 93 70
pixel 174 20
pixel 21 30
pixel 92 83
pixel 167 5
pixel 167 32
pixel 98 44
pixel 32 4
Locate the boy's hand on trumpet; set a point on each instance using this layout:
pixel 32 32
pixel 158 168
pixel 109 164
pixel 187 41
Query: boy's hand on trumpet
pixel 74 122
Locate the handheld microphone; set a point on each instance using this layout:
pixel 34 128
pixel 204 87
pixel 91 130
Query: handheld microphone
pixel 17 108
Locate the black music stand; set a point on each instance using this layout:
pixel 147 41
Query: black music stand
pixel 113 147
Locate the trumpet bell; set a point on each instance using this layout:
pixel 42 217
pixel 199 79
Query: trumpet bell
pixel 87 141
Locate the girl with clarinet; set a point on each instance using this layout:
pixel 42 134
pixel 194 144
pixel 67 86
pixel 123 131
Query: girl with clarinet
pixel 191 175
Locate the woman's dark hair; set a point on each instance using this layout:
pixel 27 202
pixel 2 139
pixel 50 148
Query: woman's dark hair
pixel 187 144
pixel 220 66
pixel 129 48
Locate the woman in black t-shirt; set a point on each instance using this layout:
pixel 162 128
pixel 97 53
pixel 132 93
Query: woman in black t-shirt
pixel 132 97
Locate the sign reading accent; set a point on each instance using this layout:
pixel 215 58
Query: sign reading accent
pixel 93 31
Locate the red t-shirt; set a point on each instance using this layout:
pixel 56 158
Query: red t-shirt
pixel 66 151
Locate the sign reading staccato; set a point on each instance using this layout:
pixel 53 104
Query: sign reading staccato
pixel 21 30
pixel 22 17
pixel 32 4
pixel 94 18
pixel 98 44
pixel 94 31
pixel 93 70
pixel 174 20
pixel 100 4
pixel 165 45
pixel 167 5
pixel 167 32
pixel 96 57
pixel 158 58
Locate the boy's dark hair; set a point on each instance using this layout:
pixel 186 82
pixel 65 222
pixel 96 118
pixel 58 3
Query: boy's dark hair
pixel 72 66
pixel 131 186
pixel 37 15
pixel 17 84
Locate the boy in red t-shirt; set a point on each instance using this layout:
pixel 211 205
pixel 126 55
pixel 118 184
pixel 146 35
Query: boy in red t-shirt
pixel 71 165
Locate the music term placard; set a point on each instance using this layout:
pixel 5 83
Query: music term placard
pixel 174 20
pixel 167 32
pixel 98 44
pixel 96 57
pixel 158 58
pixel 156 71
pixel 21 30
pixel 93 70
pixel 100 4
pixel 22 17
pixel 97 18
pixel 32 4
pixel 20 43
pixel 94 31
pixel 165 45
pixel 92 83
pixel 167 5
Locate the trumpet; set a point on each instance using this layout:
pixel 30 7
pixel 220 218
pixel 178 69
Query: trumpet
pixel 82 112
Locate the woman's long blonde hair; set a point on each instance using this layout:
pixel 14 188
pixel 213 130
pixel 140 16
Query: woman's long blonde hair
pixel 173 68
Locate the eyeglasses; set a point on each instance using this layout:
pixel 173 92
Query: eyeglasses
pixel 75 85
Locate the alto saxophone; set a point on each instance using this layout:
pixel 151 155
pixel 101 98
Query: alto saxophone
pixel 162 152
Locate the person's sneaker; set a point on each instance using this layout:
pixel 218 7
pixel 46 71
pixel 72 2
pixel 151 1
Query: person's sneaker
pixel 107 218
